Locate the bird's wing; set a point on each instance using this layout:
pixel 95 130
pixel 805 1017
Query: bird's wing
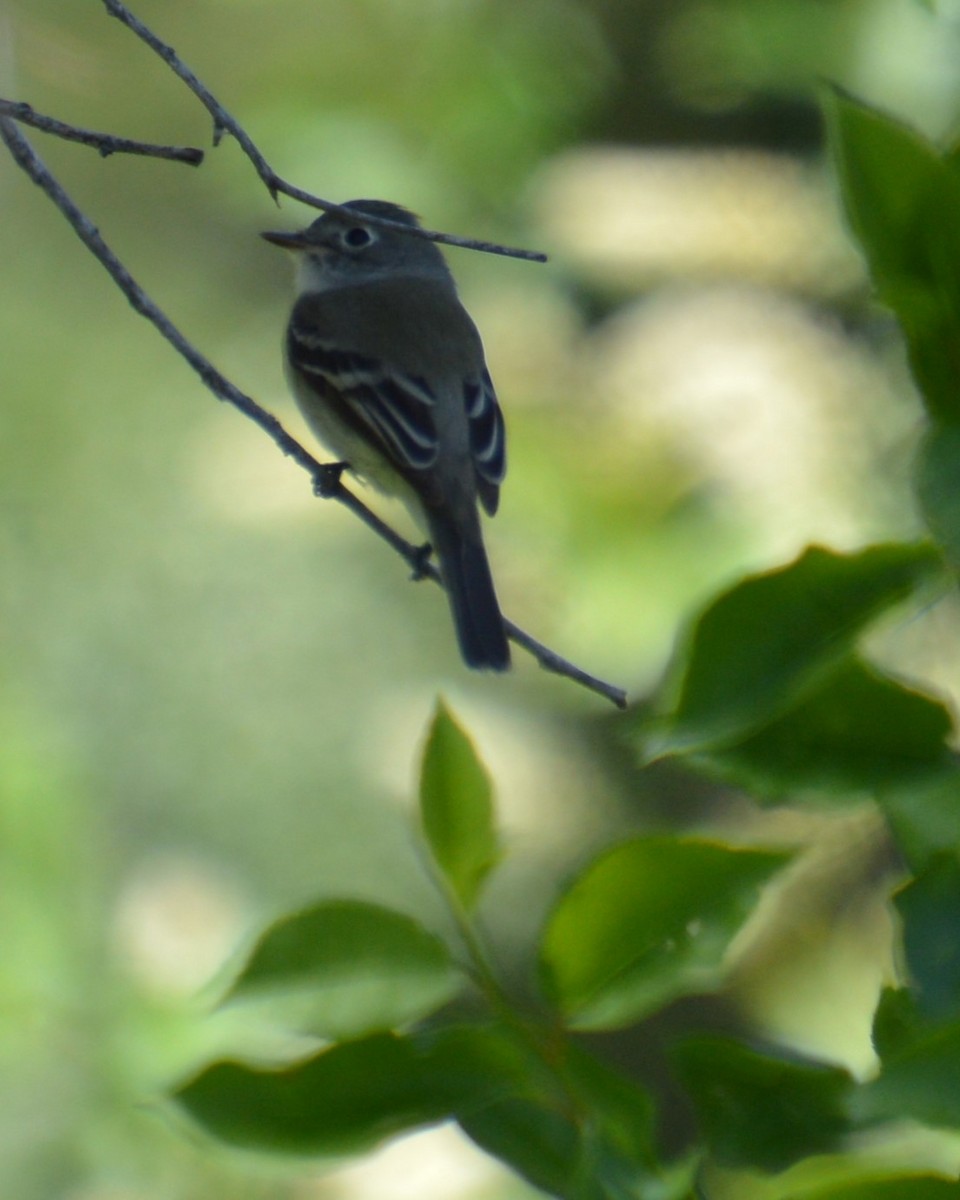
pixel 397 408
pixel 394 405
pixel 488 441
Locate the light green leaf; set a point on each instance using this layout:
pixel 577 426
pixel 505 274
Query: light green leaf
pixel 889 1186
pixel 345 968
pixel 456 808
pixel 647 921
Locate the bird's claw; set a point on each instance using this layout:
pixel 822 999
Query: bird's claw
pixel 326 481
pixel 421 561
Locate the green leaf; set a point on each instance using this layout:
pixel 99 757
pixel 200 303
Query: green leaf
pixel 345 968
pixel 770 640
pixel 919 1082
pixel 924 814
pixel 456 808
pixel 929 907
pixel 889 1186
pixel 566 1158
pixel 540 1143
pixel 484 1061
pixel 761 1110
pixel 937 481
pixel 510 1102
pixel 342 1101
pixel 859 731
pixel 620 1115
pixel 647 921
pixel 888 174
pixel 902 198
pixel 567 1123
pixel 896 1023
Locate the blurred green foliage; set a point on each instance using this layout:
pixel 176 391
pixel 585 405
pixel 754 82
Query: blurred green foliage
pixel 210 683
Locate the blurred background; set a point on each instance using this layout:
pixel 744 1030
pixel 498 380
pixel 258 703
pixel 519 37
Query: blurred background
pixel 213 688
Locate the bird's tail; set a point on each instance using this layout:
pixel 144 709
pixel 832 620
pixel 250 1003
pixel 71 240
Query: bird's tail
pixel 469 585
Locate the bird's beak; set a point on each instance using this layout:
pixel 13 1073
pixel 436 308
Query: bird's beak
pixel 288 241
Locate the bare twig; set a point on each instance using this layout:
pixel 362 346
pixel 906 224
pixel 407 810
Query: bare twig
pixel 223 123
pixel 325 478
pixel 106 143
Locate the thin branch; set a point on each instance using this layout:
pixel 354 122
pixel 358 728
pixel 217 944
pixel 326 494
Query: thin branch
pixel 325 476
pixel 223 123
pixel 551 661
pixel 106 143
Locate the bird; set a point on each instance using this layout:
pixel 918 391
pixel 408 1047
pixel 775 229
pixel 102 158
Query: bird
pixel 389 371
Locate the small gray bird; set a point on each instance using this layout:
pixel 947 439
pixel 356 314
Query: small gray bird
pixel 389 372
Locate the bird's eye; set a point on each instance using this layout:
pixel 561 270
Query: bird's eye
pixel 357 237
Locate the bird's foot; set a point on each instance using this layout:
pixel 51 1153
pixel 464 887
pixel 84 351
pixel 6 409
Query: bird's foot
pixel 421 561
pixel 326 481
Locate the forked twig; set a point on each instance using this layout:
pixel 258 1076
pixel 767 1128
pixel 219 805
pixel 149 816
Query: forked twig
pixel 326 480
pixel 106 143
pixel 223 123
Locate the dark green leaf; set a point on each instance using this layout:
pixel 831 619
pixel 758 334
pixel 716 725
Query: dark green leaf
pixel 481 1063
pixel 346 968
pixel 888 174
pixel 342 1101
pixel 902 199
pixel 564 1121
pixel 918 1082
pixel 567 1157
pixel 857 732
pixel 456 808
pixel 938 487
pixel 925 814
pixel 511 1103
pixel 541 1144
pixel 896 1022
pixel 930 910
pixel 620 1114
pixel 761 1110
pixel 647 921
pixel 567 1125
pixel 765 644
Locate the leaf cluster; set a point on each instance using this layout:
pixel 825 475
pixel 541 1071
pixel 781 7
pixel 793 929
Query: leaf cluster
pixel 415 1029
